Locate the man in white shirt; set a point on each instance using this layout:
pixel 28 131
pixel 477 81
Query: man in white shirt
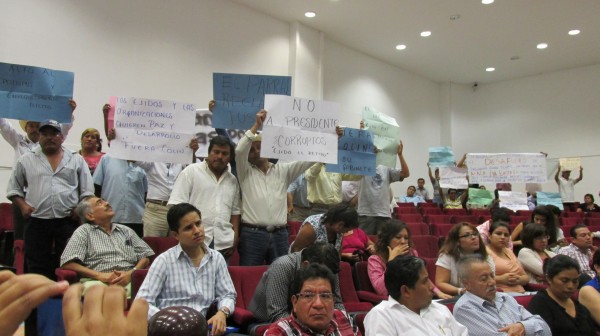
pixel 409 309
pixel 566 185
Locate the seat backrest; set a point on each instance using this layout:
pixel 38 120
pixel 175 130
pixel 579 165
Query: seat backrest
pixel 516 219
pixel 526 213
pixel 245 280
pixel 19 252
pixel 293 227
pixel 137 278
pixel 6 217
pixel 426 246
pixel 405 204
pixel 418 229
pixel 480 212
pixel 465 218
pixel 438 219
pixel 524 300
pixel 406 210
pixel 431 211
pixel 455 212
pixel 361 269
pixel 431 267
pixel 411 217
pixel 574 214
pixel 347 289
pixel 591 221
pixel 571 221
pixel 159 244
pixel 439 230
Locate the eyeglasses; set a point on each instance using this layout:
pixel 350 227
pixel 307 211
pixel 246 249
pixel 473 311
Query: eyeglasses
pixel 546 237
pixel 310 296
pixel 470 235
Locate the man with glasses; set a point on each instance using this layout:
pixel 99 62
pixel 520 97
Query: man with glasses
pixel 313 307
pixel 581 248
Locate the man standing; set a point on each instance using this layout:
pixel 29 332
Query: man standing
pixel 103 252
pixel 581 248
pixel 487 312
pixel 56 180
pixel 211 188
pixel 566 185
pixel 325 189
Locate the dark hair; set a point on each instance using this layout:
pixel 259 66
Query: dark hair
pixel 177 320
pixel 411 186
pixel 312 271
pixel 551 226
pixel 420 179
pixel 451 245
pixel 387 233
pixel 322 253
pixel 497 224
pixel 220 140
pixel 560 262
pixel 530 232
pixel 590 195
pixel 452 189
pixel 97 136
pixel 554 209
pixel 178 211
pixel 573 230
pixel 595 260
pixel 500 214
pixel 402 271
pixel 343 213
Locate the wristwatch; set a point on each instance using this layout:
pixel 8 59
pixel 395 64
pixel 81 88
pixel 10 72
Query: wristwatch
pixel 225 311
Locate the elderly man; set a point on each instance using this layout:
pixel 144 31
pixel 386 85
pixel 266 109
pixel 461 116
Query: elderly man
pixel 56 180
pixel 313 312
pixel 581 248
pixel 487 312
pixel 216 193
pixel 103 252
pixel 409 309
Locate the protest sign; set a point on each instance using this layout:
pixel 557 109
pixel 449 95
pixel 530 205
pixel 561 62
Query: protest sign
pixel 441 157
pixel 152 130
pixel 514 200
pixel 300 129
pixel 239 97
pixel 355 153
pixel 453 177
pixel 570 163
pixel 507 168
pixel 33 93
pixel 204 132
pixel 549 198
pixel 480 198
pixel 387 135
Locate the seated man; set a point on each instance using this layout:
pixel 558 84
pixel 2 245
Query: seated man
pixel 313 312
pixel 487 312
pixel 103 252
pixel 189 274
pixel 409 310
pixel 270 300
pixel 412 197
pixel 581 249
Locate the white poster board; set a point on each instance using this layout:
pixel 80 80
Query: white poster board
pixel 514 200
pixel 507 168
pixel 570 163
pixel 453 177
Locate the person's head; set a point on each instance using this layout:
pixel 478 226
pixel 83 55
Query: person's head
pixel 51 137
pixel 534 237
pixel 499 235
pixel 186 223
pixel 482 187
pixel 595 262
pixel 542 215
pixel 410 191
pixel 211 105
pixel 437 173
pixel 177 320
pixel 313 297
pixel 562 275
pixel 581 236
pixel 420 183
pixel 220 151
pixel 94 210
pixel 254 153
pixel 452 194
pixel 407 282
pixel 588 199
pixel 500 214
pixel 32 129
pixel 392 235
pixel 463 238
pixel 90 139
pixel 477 277
pixel 340 218
pixel 321 253
pixel 566 174
pixel 504 186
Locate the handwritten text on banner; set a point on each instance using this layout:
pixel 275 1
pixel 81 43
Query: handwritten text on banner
pixel 453 177
pixel 387 135
pixel 570 163
pixel 507 168
pixel 355 153
pixel 514 200
pixel 32 93
pixel 549 198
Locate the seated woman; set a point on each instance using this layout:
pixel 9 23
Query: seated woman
pixel 91 148
pixel 556 306
pixel 327 227
pixel 393 240
pixel 534 252
pixel 463 238
pixel 510 275
pixel 356 246
pixel 588 204
pixel 543 216
pixel 589 294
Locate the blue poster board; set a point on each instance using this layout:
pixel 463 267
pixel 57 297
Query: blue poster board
pixel 33 93
pixel 546 198
pixel 356 153
pixel 239 97
pixel 441 157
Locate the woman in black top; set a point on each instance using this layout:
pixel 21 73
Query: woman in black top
pixel 555 305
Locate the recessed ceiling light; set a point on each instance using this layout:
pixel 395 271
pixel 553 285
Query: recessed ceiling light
pixel 400 47
pixel 487 2
pixel 542 45
pixel 426 33
pixel 574 32
pixel 490 69
pixel 310 14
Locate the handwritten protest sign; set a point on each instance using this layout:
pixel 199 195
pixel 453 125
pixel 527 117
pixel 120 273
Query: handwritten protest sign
pixel 549 198
pixel 453 177
pixel 239 97
pixel 514 200
pixel 507 167
pixel 570 163
pixel 355 153
pixel 480 198
pixel 32 93
pixel 152 130
pixel 441 157
pixel 387 135
pixel 300 129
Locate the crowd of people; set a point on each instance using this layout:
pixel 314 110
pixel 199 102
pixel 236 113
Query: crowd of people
pixel 88 211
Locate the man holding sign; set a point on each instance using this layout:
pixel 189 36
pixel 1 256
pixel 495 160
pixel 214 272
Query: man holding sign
pixel 566 185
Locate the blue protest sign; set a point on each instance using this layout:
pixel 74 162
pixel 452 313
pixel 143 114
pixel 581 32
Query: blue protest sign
pixel 441 157
pixel 546 198
pixel 355 153
pixel 33 93
pixel 239 97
